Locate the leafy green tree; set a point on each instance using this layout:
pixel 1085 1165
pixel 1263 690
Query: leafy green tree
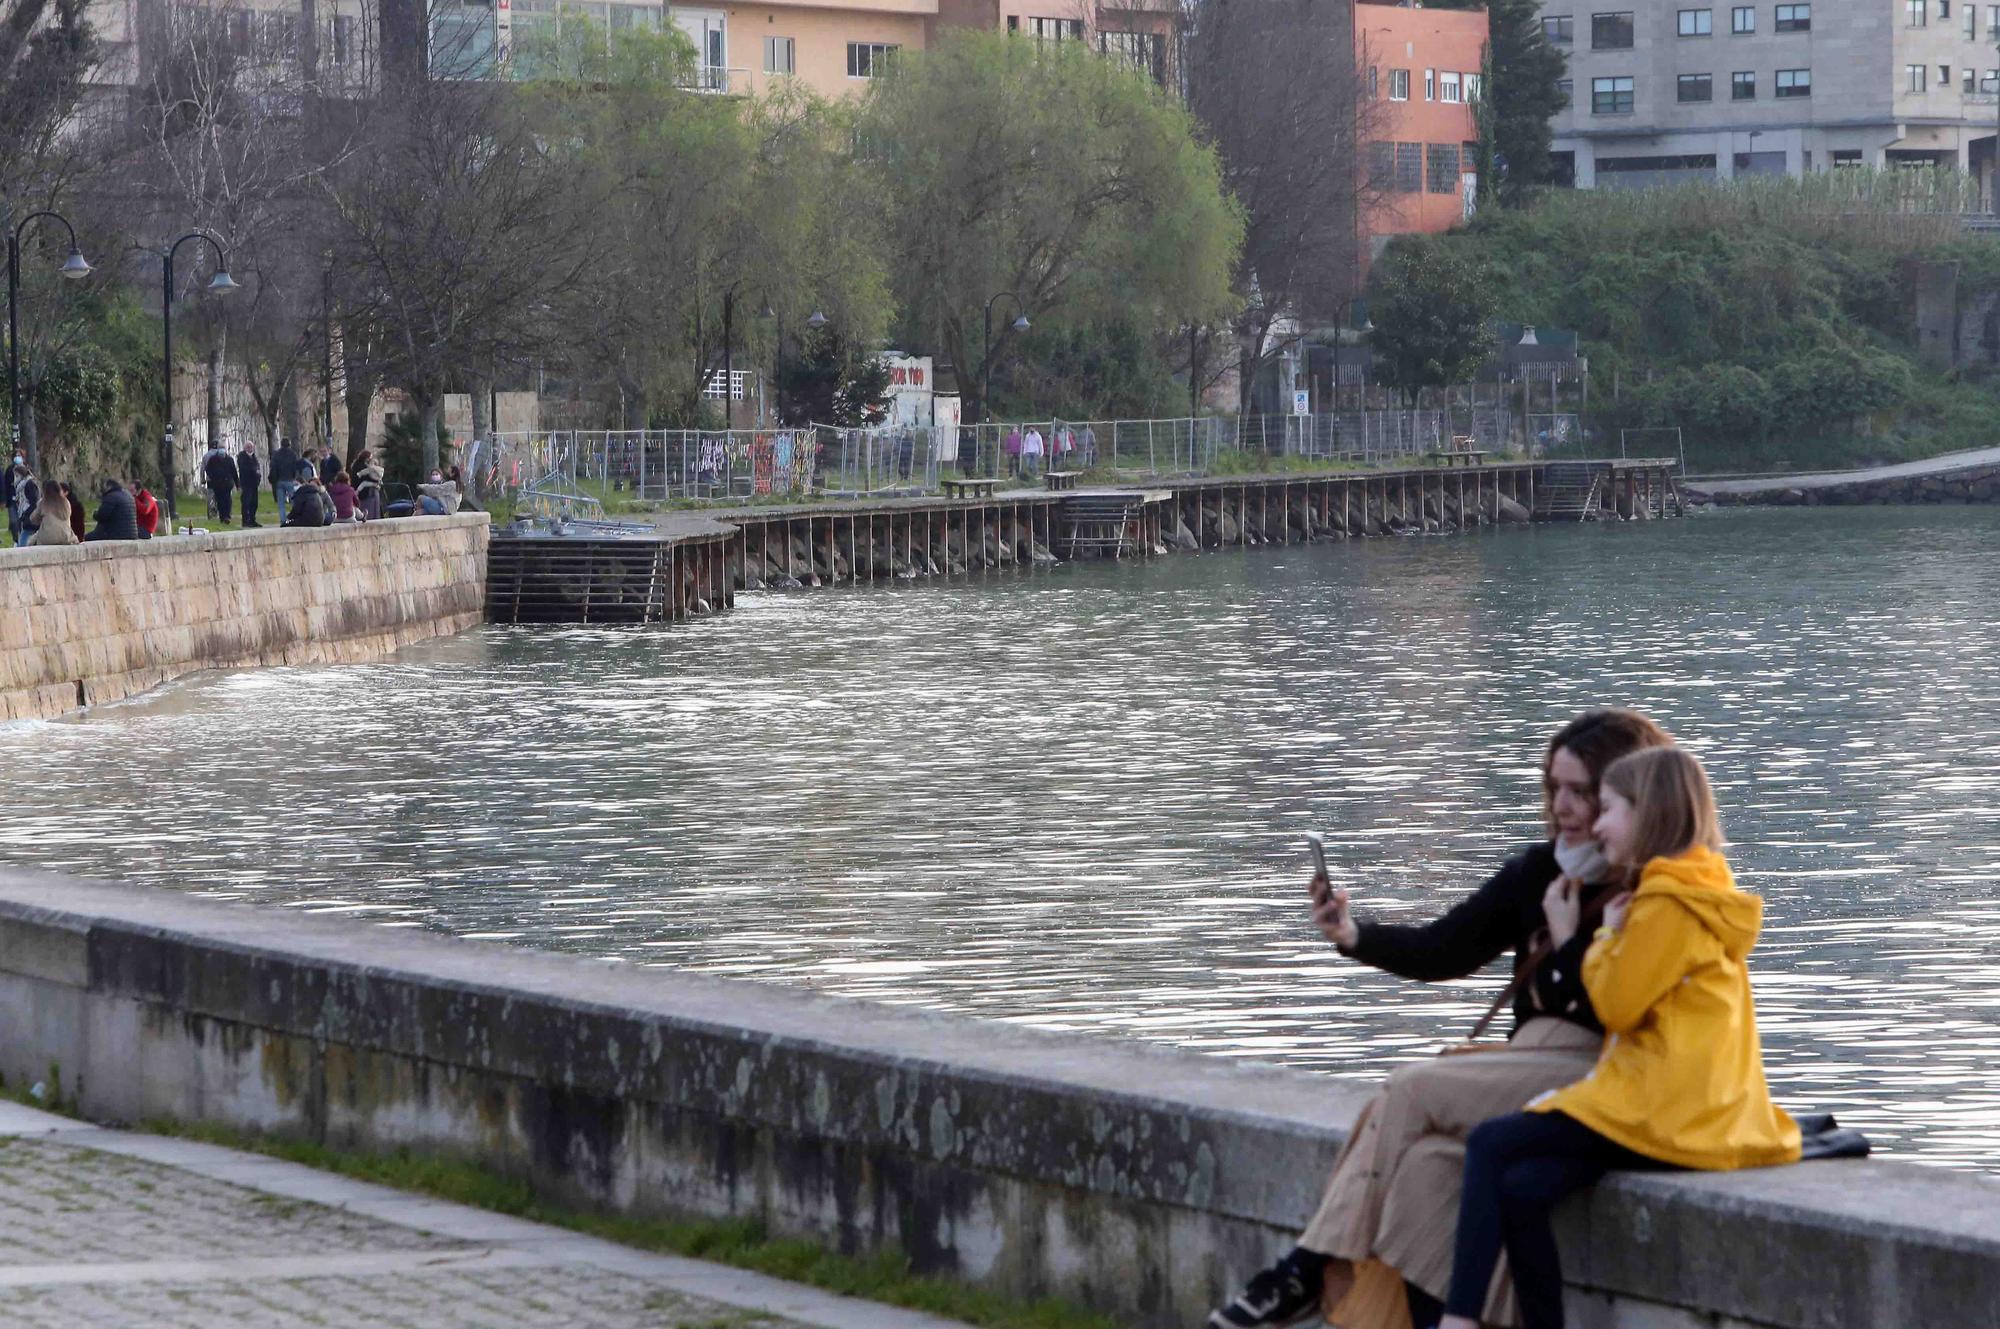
pixel 827 384
pixel 1522 91
pixel 1074 182
pixel 1431 302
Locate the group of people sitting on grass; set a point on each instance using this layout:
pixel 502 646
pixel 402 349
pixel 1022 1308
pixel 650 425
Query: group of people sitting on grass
pixel 1634 1046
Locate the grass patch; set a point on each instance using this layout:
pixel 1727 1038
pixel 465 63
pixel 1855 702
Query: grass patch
pixel 884 1276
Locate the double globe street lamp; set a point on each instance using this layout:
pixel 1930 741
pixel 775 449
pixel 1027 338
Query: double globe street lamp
pixel 73 267
pixel 220 284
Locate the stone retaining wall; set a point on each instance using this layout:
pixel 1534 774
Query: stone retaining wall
pixel 1976 485
pixel 84 624
pixel 1140 1181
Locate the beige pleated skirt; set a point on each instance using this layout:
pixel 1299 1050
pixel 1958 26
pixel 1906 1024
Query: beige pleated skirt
pixel 1391 1206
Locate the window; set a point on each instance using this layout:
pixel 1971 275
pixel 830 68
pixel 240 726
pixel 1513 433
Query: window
pixel 1944 77
pixel 1567 87
pixel 1916 13
pixel 1441 168
pixel 1968 19
pixel 1449 88
pixel 1374 83
pixel 343 38
pixel 1560 31
pixel 1743 86
pixel 1743 20
pixel 1913 78
pixel 1430 85
pixel 1992 20
pixel 1409 168
pixel 1381 165
pixel 239 31
pixel 1695 22
pixel 1013 23
pixel 1474 86
pixel 1611 96
pixel 1694 88
pixel 1990 81
pixel 1794 18
pixel 1611 32
pixel 780 56
pixel 1944 8
pixel 1968 81
pixel 1793 83
pixel 1399 85
pixel 867 59
pixel 1148 51
pixel 1846 157
pixel 1055 29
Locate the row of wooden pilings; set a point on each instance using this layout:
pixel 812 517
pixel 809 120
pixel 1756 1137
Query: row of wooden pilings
pixel 675 578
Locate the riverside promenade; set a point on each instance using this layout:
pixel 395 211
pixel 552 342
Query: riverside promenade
pixel 111 1229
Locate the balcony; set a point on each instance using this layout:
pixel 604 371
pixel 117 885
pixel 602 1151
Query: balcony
pixel 718 80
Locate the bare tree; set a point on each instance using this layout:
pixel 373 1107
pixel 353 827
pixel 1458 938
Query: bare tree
pixel 1280 87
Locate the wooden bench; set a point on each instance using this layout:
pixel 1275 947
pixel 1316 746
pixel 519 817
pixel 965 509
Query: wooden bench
pixel 1454 456
pixel 1060 479
pixel 968 488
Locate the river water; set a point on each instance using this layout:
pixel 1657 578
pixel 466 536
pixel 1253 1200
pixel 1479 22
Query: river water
pixel 1076 800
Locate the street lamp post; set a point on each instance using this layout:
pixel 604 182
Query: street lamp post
pixel 73 267
pixel 220 284
pixel 986 360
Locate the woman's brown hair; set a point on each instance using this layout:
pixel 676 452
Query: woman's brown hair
pixel 1673 808
pixel 1597 738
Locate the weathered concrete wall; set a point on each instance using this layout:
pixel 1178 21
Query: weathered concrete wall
pixel 1140 1181
pixel 84 624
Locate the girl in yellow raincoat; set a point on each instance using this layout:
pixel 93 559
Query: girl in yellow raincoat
pixel 1680 1082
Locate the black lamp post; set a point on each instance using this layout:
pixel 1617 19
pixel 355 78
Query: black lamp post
pixel 73 267
pixel 220 284
pixel 986 360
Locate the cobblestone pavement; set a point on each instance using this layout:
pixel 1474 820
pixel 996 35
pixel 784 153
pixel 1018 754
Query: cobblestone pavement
pixel 102 1228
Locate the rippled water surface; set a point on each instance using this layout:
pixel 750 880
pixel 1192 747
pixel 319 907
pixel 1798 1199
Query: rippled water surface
pixel 1077 800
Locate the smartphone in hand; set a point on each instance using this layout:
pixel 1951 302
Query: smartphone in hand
pixel 1315 843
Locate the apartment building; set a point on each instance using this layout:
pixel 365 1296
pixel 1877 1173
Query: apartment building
pixel 1698 93
pixel 1422 68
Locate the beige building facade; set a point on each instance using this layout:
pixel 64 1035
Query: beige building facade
pixel 1688 91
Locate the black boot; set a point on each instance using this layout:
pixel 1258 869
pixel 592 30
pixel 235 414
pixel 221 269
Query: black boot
pixel 1286 1293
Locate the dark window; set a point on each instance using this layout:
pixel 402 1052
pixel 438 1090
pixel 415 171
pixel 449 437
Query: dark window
pixel 1794 18
pixel 1743 86
pixel 1567 87
pixel 1381 165
pixel 867 59
pixel 1793 83
pixel 1561 30
pixel 1611 96
pixel 1694 88
pixel 1442 163
pixel 1148 51
pixel 1409 168
pixel 1056 29
pixel 1847 156
pixel 1611 32
pixel 343 38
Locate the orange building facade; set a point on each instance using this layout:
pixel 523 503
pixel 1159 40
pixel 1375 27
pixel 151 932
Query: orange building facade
pixel 1422 68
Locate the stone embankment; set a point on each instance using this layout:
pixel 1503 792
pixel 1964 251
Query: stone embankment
pixel 1965 477
pixel 1141 1182
pixel 86 624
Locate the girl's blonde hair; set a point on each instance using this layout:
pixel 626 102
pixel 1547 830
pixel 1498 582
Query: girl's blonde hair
pixel 1673 808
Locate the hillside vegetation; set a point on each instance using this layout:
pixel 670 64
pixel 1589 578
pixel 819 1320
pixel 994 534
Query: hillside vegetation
pixel 1772 319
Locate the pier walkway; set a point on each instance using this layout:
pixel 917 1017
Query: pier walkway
pixel 1769 488
pixel 113 1228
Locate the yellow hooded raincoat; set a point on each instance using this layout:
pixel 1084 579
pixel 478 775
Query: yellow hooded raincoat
pixel 1681 1077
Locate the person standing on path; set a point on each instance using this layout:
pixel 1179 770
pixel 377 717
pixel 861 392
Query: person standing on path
pixel 22 496
pixel 329 466
pixel 220 471
pixel 250 479
pixel 1378 1252
pixel 367 478
pixel 284 477
pixel 1012 448
pixel 1031 452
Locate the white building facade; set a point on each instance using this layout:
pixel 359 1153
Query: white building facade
pixel 1680 91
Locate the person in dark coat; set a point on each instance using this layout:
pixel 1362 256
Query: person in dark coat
pixel 284 476
pixel 117 516
pixel 249 479
pixel 220 472
pixel 329 466
pixel 309 504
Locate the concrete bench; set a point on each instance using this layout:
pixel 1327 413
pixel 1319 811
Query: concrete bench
pixel 968 488
pixel 1060 480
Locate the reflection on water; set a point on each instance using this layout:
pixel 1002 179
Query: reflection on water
pixel 1076 801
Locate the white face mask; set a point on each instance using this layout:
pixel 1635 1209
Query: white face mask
pixel 1583 861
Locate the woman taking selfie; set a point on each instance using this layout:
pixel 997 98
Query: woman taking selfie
pixel 1380 1245
pixel 1681 1079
